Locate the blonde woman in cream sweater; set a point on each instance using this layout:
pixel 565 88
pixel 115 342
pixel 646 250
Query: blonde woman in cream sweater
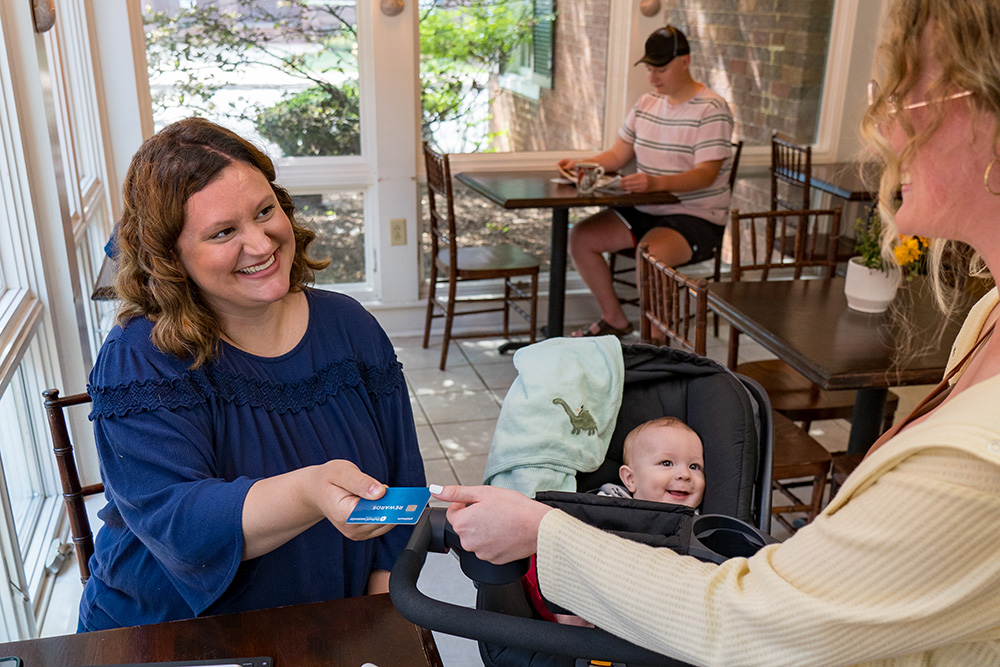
pixel 903 567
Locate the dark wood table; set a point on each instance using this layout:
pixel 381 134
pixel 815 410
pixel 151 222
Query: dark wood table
pixel 807 324
pixel 519 189
pixel 340 632
pixel 842 179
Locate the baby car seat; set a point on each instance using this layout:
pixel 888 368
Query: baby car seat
pixel 730 413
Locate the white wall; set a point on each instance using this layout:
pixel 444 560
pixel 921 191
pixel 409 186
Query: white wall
pixel 864 35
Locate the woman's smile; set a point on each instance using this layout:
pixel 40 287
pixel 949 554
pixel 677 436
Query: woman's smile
pixel 266 264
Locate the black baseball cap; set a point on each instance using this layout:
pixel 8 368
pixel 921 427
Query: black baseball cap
pixel 664 45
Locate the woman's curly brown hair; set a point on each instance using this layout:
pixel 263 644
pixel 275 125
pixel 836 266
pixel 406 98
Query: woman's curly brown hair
pixel 170 167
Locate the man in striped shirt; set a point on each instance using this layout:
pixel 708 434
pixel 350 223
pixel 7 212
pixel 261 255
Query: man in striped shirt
pixel 680 137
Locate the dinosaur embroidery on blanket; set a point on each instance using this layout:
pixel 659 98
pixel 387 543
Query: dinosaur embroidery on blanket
pixel 581 421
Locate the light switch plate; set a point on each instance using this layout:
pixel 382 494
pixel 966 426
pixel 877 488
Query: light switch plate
pixel 397 231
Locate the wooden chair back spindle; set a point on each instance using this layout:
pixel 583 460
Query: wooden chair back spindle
pixel 74 494
pixel 791 170
pixel 673 308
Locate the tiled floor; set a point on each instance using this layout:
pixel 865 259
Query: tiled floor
pixel 455 412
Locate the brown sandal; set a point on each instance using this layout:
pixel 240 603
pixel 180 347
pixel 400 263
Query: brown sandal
pixel 603 329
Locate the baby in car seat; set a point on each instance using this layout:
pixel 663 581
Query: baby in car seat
pixel 664 462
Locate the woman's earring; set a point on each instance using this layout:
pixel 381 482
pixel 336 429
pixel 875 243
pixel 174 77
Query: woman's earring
pixel 986 178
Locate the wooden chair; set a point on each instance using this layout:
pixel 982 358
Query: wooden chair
pixel 798 456
pixel 791 176
pixel 452 265
pixel 674 309
pixel 73 493
pixel 791 173
pixel 812 247
pixel 626 275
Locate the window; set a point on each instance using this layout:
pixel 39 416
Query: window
pixel 42 226
pixel 286 76
pixel 283 74
pixel 23 532
pixel 530 66
pixel 83 163
pixel 339 222
pixel 540 85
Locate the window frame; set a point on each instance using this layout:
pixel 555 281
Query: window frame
pixel 39 279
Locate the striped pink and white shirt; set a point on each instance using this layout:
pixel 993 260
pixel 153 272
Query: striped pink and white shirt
pixel 673 138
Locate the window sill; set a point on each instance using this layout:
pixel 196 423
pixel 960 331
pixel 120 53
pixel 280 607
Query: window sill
pixel 520 85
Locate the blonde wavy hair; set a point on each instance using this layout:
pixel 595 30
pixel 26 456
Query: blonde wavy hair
pixel 966 41
pixel 170 167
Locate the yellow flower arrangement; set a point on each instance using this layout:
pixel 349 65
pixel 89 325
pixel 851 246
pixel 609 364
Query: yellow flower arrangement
pixel 910 251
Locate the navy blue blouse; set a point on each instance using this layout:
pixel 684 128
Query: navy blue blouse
pixel 180 448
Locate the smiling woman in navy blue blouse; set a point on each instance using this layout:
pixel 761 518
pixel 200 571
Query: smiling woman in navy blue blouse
pixel 239 415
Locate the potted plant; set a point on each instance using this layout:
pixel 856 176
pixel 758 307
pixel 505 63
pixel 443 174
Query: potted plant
pixel 872 281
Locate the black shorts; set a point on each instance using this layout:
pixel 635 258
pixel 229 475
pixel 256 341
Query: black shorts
pixel 703 236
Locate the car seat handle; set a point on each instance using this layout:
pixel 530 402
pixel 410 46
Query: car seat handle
pixel 494 627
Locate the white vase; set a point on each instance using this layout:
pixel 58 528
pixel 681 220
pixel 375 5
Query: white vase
pixel 869 290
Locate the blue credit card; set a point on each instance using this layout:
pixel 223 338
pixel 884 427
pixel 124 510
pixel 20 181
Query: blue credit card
pixel 401 504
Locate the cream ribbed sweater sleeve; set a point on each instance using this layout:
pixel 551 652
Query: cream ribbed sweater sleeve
pixel 893 572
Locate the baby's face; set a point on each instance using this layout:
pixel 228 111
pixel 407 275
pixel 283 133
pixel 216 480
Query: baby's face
pixel 667 465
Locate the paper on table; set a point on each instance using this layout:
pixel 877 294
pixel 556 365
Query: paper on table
pixel 607 183
pixel 611 185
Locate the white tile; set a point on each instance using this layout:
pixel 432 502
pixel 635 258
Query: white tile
pixel 442 579
pixel 499 394
pixel 430 448
pixel 459 406
pixel 469 438
pixel 485 350
pixel 831 433
pixel 433 381
pixel 751 350
pixel 419 418
pixel 469 468
pixel 413 356
pixel 497 376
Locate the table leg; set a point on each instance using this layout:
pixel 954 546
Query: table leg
pixel 866 424
pixel 557 272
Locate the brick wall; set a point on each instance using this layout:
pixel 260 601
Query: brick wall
pixel 766 57
pixel 570 115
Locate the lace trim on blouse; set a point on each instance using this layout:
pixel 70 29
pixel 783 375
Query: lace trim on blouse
pixel 201 385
